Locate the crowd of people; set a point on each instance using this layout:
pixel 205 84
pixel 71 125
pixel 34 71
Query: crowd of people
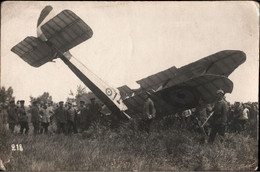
pixel 217 118
pixel 48 118
pixel 208 119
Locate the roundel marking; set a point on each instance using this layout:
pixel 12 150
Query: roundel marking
pixel 109 92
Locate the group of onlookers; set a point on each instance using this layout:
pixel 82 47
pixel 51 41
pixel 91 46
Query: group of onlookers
pixel 50 118
pixel 219 117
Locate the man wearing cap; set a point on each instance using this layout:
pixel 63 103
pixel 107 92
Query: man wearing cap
pixel 12 116
pixel 35 119
pixel 3 115
pixel 23 119
pixel 71 118
pixel 149 111
pixel 61 116
pixel 219 117
pixel 94 111
pixel 82 116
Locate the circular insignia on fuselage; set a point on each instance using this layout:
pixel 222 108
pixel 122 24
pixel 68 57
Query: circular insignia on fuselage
pixel 108 91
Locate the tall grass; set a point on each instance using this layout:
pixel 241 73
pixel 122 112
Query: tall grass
pixel 128 149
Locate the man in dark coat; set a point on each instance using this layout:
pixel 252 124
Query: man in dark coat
pixel 71 119
pixel 35 119
pixel 94 111
pixel 219 117
pixel 23 119
pixel 12 116
pixel 61 116
pixel 149 111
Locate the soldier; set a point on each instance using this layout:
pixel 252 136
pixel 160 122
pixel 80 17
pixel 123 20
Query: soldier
pixel 50 119
pixel 219 117
pixel 12 116
pixel 61 116
pixel 3 116
pixel 94 111
pixel 201 117
pixel 149 111
pixel 82 113
pixel 23 119
pixel 238 114
pixel 44 120
pixel 71 118
pixel 35 119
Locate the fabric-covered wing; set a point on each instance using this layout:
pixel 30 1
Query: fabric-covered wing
pixel 156 80
pixel 66 30
pixel 33 51
pixel 187 94
pixel 221 63
pixel 125 91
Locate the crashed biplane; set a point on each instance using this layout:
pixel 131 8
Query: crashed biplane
pixel 172 90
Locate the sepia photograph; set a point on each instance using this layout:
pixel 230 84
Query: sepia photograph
pixel 129 86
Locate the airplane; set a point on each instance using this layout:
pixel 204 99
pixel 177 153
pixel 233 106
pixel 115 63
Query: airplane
pixel 172 90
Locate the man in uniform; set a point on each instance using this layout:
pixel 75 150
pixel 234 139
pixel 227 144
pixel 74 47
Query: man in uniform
pixel 149 111
pixel 23 119
pixel 3 116
pixel 12 116
pixel 219 117
pixel 61 116
pixel 82 113
pixel 94 111
pixel 71 118
pixel 35 119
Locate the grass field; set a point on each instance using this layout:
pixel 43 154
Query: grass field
pixel 129 150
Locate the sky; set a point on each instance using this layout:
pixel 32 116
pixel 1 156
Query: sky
pixel 132 40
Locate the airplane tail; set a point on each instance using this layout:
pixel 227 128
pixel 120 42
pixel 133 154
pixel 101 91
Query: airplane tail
pixel 57 34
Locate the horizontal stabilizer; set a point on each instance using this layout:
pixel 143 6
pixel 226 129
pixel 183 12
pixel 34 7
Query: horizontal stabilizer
pixel 66 30
pixel 34 51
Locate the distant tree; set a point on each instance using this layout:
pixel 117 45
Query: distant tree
pixel 82 94
pixel 42 99
pixel 6 96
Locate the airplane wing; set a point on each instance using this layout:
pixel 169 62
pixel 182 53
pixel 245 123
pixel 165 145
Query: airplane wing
pixel 221 63
pixel 174 98
pixel 33 51
pixel 66 30
pixel 187 94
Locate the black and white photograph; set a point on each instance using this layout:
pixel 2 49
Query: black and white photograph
pixel 129 86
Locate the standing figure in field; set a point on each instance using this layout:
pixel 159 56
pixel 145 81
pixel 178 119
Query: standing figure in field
pixel 44 120
pixel 61 116
pixel 238 117
pixel 149 112
pixel 82 115
pixel 201 117
pixel 50 117
pixel 71 118
pixel 94 111
pixel 244 117
pixel 3 116
pixel 12 116
pixel 35 119
pixel 219 117
pixel 23 119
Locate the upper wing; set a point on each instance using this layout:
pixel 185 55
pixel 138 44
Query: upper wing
pixel 66 30
pixel 34 51
pixel 221 63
